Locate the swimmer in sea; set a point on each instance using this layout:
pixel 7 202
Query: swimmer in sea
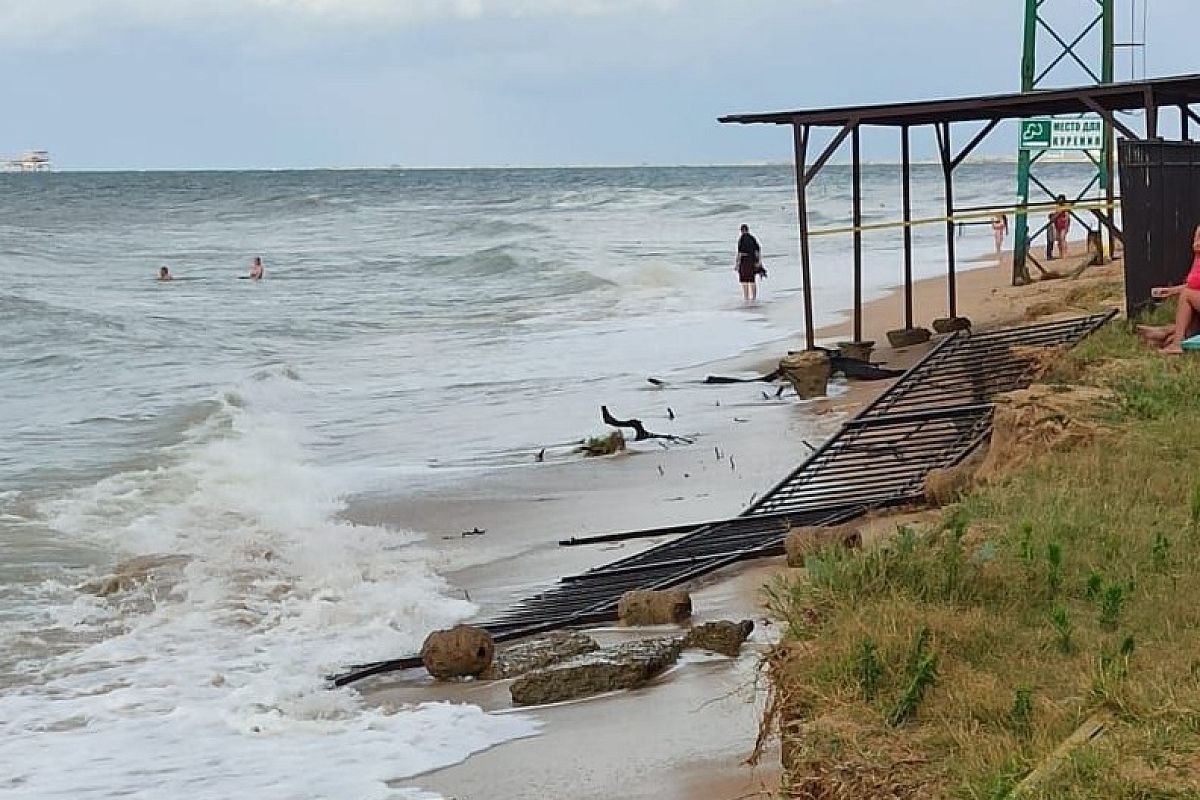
pixel 256 269
pixel 164 274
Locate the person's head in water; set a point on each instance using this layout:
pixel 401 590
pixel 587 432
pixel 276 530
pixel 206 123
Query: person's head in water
pixel 164 274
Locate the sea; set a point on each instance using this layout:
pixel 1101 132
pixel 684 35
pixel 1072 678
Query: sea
pixel 178 460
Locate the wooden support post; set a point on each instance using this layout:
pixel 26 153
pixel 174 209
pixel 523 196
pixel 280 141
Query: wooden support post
pixel 1185 133
pixel 856 155
pixel 1110 184
pixel 800 141
pixel 906 170
pixel 943 133
pixel 1151 114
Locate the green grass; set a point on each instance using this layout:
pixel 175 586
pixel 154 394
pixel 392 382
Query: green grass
pixel 967 652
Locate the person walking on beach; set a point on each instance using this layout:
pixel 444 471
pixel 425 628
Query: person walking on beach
pixel 256 269
pixel 749 258
pixel 1062 225
pixel 999 231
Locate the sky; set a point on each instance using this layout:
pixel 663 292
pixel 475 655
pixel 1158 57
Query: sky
pixel 200 84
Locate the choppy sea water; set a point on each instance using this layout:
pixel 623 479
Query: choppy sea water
pixel 414 327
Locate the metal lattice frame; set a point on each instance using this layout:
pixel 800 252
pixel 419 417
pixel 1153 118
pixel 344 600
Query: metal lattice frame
pixel 935 415
pixel 1038 68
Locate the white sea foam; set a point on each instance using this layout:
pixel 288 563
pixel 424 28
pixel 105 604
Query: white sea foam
pixel 458 318
pixel 210 684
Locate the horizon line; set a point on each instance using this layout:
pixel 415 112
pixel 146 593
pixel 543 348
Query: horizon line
pixel 750 164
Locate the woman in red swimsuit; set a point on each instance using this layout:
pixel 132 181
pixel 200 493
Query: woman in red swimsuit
pixel 1187 316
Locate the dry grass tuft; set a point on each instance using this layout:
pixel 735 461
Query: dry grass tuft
pixel 1048 364
pixel 605 445
pixel 957 657
pixel 1072 297
pixel 1041 419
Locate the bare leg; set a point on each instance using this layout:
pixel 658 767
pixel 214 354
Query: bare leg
pixel 1185 316
pixel 746 292
pixel 1062 244
pixel 1155 335
pixel 999 236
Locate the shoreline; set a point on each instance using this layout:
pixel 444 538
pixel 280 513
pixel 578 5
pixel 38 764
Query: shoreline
pixel 528 511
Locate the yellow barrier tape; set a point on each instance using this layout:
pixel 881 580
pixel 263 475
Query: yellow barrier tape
pixel 1033 208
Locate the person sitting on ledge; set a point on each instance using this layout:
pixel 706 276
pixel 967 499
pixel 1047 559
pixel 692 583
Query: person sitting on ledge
pixel 1187 316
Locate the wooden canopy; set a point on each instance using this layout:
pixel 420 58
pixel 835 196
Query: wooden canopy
pixel 1096 99
pixel 1104 100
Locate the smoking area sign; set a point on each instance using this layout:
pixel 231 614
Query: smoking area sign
pixel 1048 133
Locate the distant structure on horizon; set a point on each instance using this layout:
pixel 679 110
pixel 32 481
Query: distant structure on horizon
pixel 30 161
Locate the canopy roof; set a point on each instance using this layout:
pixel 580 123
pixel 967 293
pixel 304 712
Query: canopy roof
pixel 1175 91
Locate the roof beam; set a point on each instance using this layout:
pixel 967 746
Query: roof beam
pixel 829 150
pixel 1112 97
pixel 979 137
pixel 1109 117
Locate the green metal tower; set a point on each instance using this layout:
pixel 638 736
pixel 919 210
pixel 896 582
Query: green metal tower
pixel 1076 47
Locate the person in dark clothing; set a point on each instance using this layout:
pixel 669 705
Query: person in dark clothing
pixel 749 264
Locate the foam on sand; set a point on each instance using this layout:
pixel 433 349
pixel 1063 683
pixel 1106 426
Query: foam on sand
pixel 208 683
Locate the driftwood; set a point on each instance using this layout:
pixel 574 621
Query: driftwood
pixel 1092 728
pixel 774 376
pixel 854 368
pixel 862 370
pixel 639 430
pixel 857 368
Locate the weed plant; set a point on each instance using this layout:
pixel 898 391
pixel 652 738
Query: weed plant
pixel 990 638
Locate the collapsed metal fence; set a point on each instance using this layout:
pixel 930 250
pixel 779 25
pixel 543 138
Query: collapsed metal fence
pixel 935 415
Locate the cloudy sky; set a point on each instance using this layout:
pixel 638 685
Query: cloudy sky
pixel 307 83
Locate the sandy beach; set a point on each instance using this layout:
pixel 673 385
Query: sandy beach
pixel 689 733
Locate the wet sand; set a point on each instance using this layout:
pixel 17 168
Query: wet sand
pixel 688 734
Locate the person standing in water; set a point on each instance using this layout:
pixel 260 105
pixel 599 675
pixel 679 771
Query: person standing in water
pixel 749 256
pixel 164 274
pixel 1062 224
pixel 256 269
pixel 999 231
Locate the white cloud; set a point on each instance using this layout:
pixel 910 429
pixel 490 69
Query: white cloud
pixel 48 19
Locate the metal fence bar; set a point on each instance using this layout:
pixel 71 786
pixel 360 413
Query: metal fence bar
pixel 933 416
